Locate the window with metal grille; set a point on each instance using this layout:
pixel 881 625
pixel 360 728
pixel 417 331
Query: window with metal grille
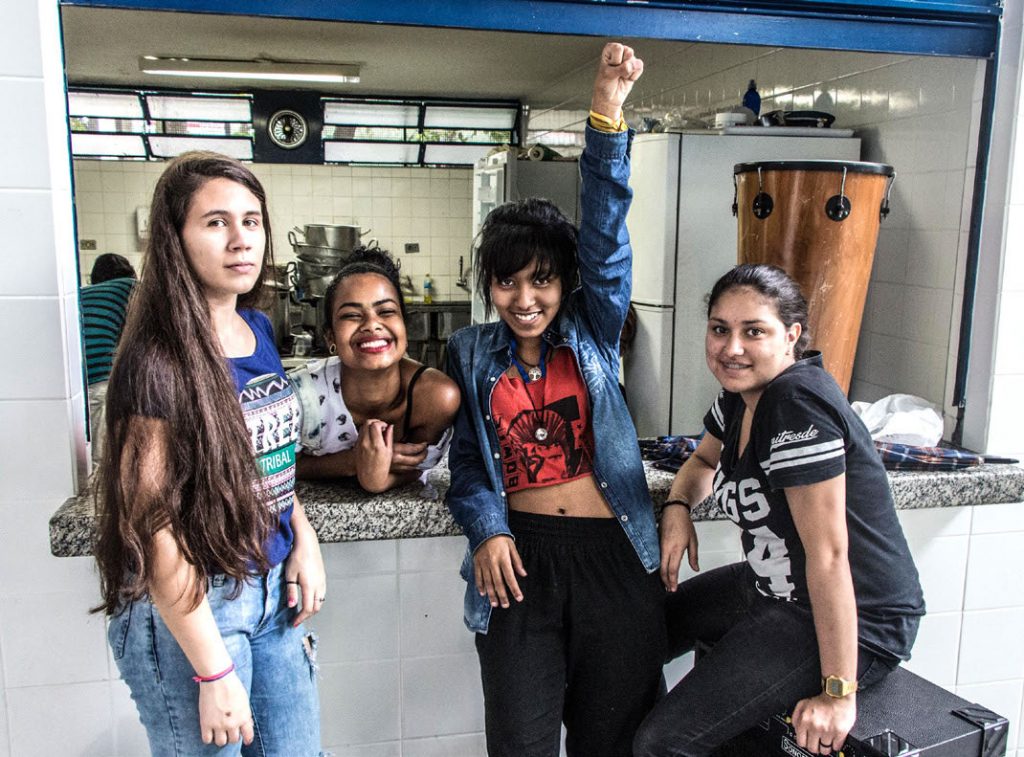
pixel 140 125
pixel 416 132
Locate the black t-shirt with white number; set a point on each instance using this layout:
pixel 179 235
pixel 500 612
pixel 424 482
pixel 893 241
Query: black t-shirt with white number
pixel 804 432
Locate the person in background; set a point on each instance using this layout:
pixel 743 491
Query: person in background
pixel 370 411
pixel 546 477
pixel 828 600
pixel 103 305
pixel 207 563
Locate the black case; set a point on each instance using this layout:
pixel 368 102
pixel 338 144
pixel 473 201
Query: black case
pixel 903 715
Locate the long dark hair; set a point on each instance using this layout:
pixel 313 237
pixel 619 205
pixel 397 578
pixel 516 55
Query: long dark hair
pixel 173 413
pixel 364 260
pixel 775 285
pixel 516 234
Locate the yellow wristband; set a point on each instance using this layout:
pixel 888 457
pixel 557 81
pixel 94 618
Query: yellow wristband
pixel 601 122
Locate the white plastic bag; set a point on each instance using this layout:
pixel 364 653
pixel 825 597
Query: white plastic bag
pixel 902 418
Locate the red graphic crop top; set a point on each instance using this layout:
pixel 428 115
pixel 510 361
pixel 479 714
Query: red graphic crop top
pixel 543 426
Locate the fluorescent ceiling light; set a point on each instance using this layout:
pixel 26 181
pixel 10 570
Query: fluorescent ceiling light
pixel 260 70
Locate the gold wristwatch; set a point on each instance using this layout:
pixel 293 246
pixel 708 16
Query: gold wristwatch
pixel 837 687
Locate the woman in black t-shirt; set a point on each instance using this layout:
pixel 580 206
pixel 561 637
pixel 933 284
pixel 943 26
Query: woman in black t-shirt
pixel 827 600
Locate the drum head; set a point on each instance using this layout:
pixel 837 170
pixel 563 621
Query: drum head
pixel 851 166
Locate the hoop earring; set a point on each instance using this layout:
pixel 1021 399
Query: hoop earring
pixel 332 349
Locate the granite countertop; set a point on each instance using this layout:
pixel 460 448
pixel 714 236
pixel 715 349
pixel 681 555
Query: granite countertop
pixel 342 512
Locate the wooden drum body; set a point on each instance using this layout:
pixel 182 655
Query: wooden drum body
pixel 817 220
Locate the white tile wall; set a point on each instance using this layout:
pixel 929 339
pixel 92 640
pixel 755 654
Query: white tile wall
pixel 48 720
pixel 441 696
pixel 989 646
pixel 36 436
pixel 472 745
pixel 360 703
pixel 40 374
pixel 5 749
pixel 20 211
pixel 427 206
pixel 37 653
pixel 128 733
pixel 937 647
pixel 361 621
pixel 27 167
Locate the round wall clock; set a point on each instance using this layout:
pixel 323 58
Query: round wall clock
pixel 287 129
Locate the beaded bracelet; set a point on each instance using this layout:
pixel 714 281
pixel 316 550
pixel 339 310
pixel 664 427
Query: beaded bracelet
pixel 681 502
pixel 215 676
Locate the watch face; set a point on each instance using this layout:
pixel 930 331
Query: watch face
pixel 287 129
pixel 837 687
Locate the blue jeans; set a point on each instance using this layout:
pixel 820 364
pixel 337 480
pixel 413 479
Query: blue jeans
pixel 764 660
pixel 276 663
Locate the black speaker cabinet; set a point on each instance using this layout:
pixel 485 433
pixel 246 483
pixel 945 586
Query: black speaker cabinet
pixel 904 716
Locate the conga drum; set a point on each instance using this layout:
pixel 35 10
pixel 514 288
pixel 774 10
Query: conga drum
pixel 817 220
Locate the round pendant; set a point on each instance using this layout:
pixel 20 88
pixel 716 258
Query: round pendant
pixel 540 434
pixel 535 374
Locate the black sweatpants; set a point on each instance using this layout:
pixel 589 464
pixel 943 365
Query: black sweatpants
pixel 584 647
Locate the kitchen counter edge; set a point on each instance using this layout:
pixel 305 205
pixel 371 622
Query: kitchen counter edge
pixel 341 512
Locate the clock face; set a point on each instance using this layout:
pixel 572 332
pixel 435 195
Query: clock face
pixel 287 129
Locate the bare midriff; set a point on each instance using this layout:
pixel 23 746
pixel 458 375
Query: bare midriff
pixel 574 499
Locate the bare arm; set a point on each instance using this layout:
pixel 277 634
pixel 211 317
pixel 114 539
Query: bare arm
pixel 332 465
pixel 224 713
pixel 691 484
pixel 819 513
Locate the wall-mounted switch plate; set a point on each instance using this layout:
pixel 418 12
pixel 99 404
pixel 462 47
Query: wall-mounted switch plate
pixel 142 221
pixel 412 247
pixel 87 244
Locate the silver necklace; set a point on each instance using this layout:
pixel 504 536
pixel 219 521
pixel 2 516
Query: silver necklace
pixel 530 375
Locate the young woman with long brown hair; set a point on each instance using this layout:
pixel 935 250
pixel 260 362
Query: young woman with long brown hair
pixel 207 562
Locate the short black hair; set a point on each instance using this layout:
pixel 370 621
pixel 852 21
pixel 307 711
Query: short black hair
pixel 516 234
pixel 365 260
pixel 109 266
pixel 776 286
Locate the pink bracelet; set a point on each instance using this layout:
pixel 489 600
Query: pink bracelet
pixel 215 676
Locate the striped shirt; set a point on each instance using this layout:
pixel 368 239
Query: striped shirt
pixel 805 432
pixel 103 310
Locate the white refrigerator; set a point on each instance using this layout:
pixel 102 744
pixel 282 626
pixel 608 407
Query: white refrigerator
pixel 683 234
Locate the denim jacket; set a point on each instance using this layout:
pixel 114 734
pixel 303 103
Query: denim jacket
pixel 589 324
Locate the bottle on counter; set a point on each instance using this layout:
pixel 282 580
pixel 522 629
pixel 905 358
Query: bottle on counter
pixel 428 290
pixel 752 99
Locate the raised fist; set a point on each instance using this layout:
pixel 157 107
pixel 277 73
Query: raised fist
pixel 618 69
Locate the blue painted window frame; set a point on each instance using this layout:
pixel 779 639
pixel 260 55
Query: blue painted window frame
pixel 923 27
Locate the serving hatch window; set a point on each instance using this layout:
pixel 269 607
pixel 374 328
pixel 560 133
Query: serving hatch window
pixel 139 125
pixel 419 132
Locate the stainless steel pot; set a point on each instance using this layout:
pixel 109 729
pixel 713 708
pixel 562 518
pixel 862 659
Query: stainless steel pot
pixel 280 275
pixel 321 255
pixel 280 314
pixel 335 236
pixel 317 287
pixel 307 270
